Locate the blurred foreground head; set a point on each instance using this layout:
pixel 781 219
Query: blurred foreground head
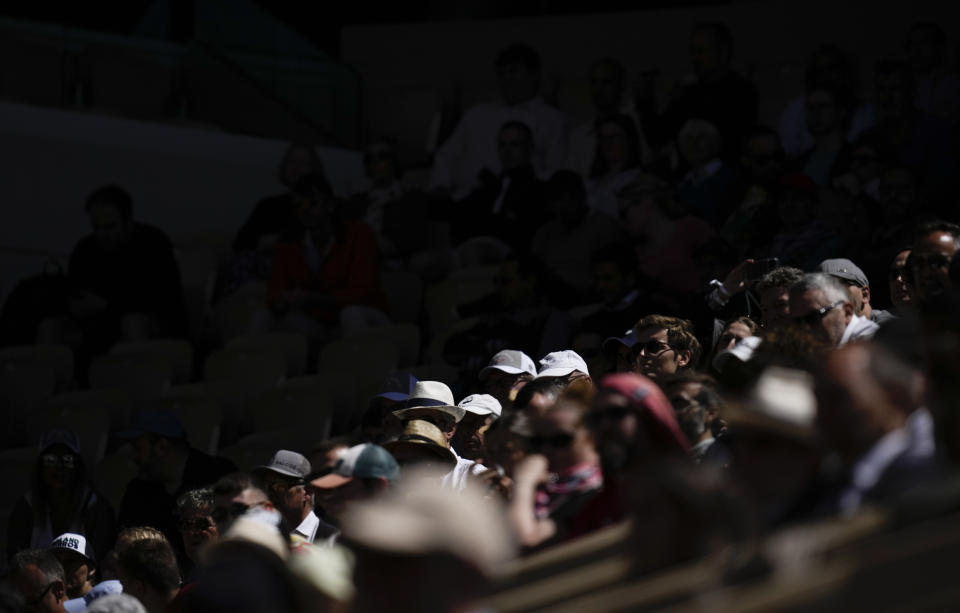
pixel 419 548
pixel 634 423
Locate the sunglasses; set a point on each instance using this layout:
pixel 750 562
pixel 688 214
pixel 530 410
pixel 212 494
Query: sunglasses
pixel 67 460
pixel 554 441
pixel 650 348
pixel 816 316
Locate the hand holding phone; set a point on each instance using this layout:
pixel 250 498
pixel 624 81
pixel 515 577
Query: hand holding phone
pixel 760 267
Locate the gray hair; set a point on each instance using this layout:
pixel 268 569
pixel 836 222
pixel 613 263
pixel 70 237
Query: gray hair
pixel 43 559
pixel 784 276
pixel 832 289
pixel 116 603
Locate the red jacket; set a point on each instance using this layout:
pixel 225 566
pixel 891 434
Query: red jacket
pixel 349 271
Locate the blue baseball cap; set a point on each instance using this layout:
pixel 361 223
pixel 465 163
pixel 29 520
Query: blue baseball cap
pixel 397 387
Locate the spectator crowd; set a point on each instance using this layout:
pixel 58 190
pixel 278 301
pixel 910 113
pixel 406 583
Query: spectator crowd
pixel 695 329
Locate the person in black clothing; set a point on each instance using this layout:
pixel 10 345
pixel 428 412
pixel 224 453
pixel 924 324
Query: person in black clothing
pixel 271 217
pixel 828 116
pixel 168 468
pixel 627 295
pixel 507 206
pixel 274 214
pixel 124 283
pixel 61 499
pixel 718 95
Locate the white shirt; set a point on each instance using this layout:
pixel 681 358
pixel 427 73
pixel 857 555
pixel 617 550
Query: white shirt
pixel 868 469
pixel 308 527
pixel 859 328
pixel 914 438
pixel 700 449
pixel 473 144
pixel 456 479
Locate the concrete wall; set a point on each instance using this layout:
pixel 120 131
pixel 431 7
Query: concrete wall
pixel 409 69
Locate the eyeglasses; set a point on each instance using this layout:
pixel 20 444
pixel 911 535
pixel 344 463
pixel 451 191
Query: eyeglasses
pixel 815 317
pixel 650 348
pixel 556 441
pixel 233 511
pixel 67 460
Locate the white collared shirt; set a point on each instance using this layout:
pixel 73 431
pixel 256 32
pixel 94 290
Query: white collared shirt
pixel 914 437
pixel 859 328
pixel 473 144
pixel 700 449
pixel 308 527
pixel 456 479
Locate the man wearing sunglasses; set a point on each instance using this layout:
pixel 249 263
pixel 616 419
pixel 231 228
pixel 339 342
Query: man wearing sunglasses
pixel 38 577
pixel 560 475
pixel 234 495
pixel 284 479
pixel 857 284
pixel 821 302
pixel 662 345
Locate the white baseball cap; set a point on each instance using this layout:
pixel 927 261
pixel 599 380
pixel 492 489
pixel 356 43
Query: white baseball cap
pixel 742 352
pixel 76 543
pixel 561 364
pixel 481 404
pixel 510 361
